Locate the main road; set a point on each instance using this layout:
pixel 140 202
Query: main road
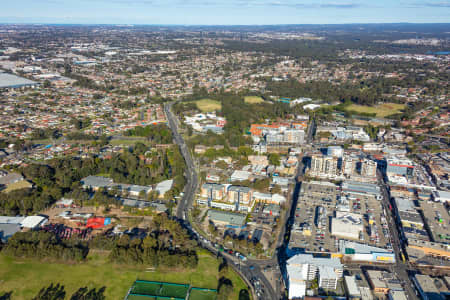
pixel 400 267
pixel 248 271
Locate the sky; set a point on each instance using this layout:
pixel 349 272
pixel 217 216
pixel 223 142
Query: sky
pixel 224 12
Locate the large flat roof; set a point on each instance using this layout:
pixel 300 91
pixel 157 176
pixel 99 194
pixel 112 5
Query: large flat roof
pixel 12 81
pixel 227 217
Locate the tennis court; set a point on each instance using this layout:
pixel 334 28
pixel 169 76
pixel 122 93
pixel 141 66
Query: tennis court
pixel 154 290
pixel 160 289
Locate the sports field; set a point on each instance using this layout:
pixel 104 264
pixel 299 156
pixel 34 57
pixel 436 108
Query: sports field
pixel 167 290
pixel 208 105
pixel 25 277
pixel 381 110
pixel 253 99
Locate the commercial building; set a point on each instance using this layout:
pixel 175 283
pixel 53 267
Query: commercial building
pixel 10 81
pixel 363 189
pixel 399 167
pixel 351 287
pixel 99 182
pixel 410 220
pixel 269 198
pixel 441 196
pixel 227 219
pixel 419 249
pixel 382 282
pixel 427 288
pixel 335 151
pixel 278 134
pixel 347 225
pixel 302 268
pixel 358 252
pixel 397 295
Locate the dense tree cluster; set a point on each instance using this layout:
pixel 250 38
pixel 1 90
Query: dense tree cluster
pixel 63 175
pixel 365 92
pixel 167 245
pixel 157 134
pixel 49 133
pixel 44 245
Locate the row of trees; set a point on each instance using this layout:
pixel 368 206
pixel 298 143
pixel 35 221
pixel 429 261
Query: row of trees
pixel 58 292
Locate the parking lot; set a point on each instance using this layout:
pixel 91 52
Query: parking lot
pixel 316 206
pixel 437 218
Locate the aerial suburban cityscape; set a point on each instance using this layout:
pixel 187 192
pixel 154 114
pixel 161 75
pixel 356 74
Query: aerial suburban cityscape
pixel 225 162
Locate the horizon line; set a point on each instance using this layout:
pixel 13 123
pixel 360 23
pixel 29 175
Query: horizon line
pixel 222 25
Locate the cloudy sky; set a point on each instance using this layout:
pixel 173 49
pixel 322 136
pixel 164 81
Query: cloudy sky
pixel 224 12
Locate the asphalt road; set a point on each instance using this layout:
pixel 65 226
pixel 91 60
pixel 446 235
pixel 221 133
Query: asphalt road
pixel 400 268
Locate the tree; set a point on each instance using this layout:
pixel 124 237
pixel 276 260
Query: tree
pixel 51 292
pixel 276 189
pixel 244 295
pixel 85 294
pixel 5 296
pixel 142 195
pixel 225 289
pixel 46 84
pixel 212 229
pixel 274 159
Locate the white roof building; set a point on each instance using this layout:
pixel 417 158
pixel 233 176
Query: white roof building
pixel 33 221
pixel 11 220
pixel 347 225
pixel 164 186
pixel 442 196
pixel 352 287
pixel 302 268
pixel 239 175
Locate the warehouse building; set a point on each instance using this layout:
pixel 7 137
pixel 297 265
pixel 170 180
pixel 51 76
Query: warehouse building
pixel 10 81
